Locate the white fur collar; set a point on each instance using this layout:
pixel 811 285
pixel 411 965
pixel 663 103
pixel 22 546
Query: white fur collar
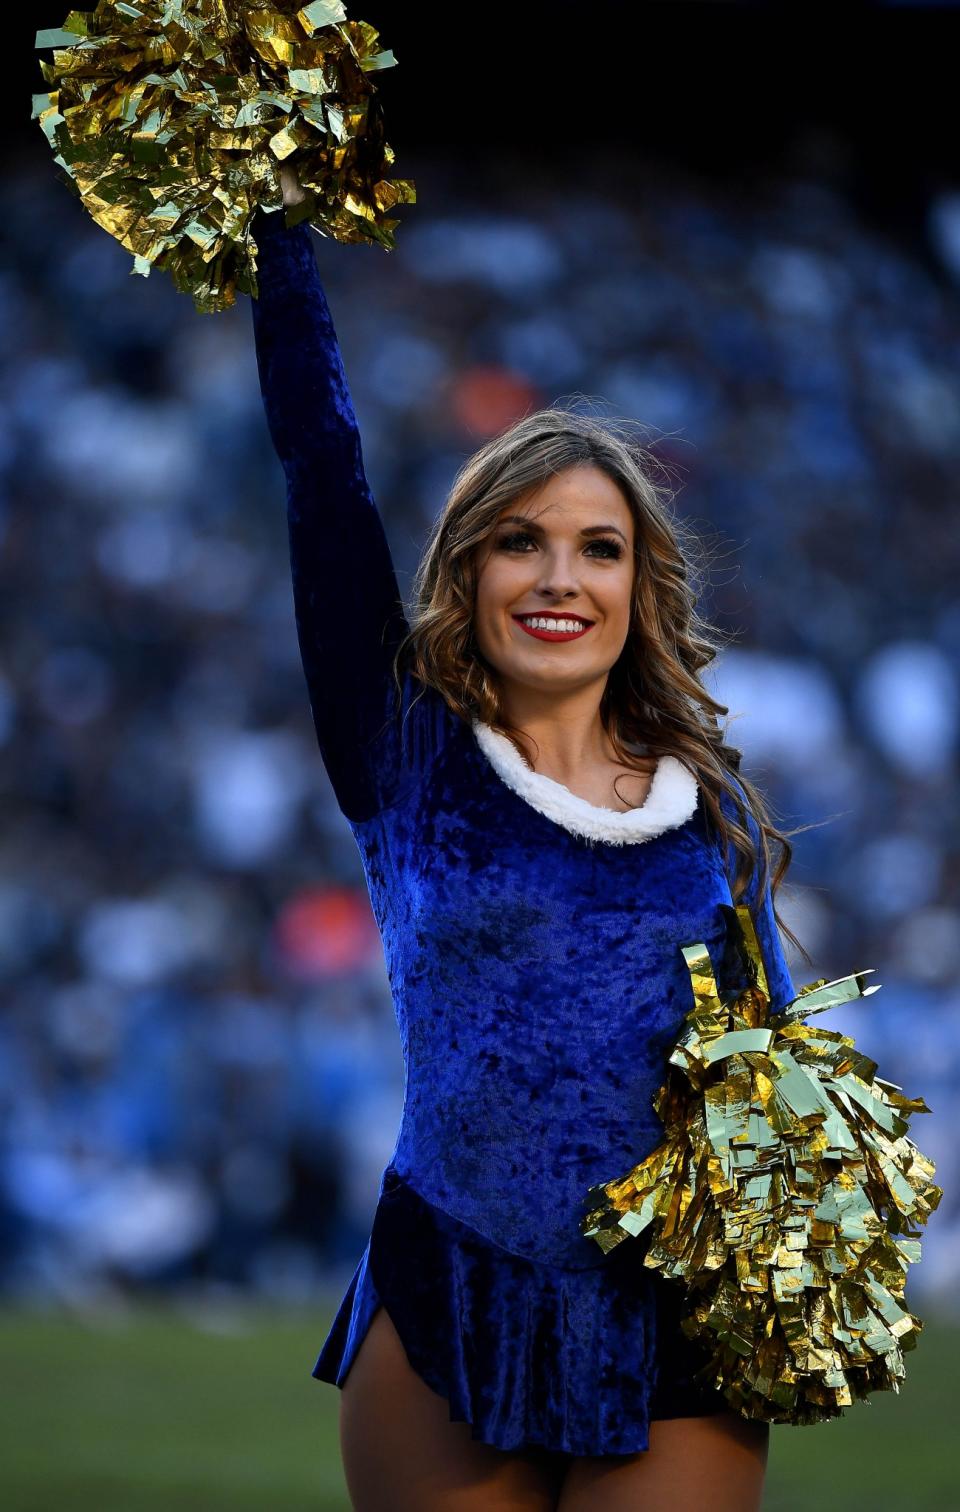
pixel 670 802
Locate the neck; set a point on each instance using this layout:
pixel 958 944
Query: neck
pixel 561 732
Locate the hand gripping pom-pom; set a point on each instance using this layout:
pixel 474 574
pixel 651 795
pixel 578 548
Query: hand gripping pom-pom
pixel 786 1197
pixel 169 119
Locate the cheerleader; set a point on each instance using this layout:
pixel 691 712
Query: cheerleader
pixel 546 812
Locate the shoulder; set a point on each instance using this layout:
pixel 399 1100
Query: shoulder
pixel 737 809
pixel 424 718
pixel 736 805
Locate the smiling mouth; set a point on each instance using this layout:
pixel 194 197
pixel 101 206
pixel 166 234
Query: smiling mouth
pixel 553 627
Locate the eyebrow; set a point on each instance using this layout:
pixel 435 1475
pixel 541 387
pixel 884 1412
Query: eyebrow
pixel 588 530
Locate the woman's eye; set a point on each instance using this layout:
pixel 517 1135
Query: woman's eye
pixel 521 538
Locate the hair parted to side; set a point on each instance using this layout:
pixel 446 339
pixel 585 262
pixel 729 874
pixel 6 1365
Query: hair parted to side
pixel 654 695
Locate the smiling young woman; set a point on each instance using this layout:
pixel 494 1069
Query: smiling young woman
pixel 546 811
pixel 558 570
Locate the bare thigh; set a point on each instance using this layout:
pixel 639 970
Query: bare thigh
pixel 717 1462
pixel 401 1452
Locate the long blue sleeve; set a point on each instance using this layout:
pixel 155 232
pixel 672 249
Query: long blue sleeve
pixel 347 603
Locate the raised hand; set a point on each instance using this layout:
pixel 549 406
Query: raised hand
pixel 290 184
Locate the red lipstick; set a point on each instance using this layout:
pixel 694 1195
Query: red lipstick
pixel 553 635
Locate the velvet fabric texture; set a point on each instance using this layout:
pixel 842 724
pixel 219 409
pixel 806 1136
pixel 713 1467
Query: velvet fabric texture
pixel 536 972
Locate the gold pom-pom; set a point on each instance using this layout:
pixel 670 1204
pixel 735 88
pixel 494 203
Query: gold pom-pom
pixel 786 1196
pixel 170 119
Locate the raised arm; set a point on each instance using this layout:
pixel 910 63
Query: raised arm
pixel 349 614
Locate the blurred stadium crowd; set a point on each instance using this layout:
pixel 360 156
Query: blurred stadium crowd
pixel 200 1076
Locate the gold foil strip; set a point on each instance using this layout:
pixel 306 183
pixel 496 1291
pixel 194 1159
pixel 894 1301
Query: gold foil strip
pixel 170 118
pixel 786 1196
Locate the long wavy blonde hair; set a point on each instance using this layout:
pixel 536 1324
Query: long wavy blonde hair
pixel 654 695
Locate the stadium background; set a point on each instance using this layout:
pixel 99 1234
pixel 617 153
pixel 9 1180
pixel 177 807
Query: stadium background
pixel 739 224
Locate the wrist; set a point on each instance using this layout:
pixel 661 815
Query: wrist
pixel 268 224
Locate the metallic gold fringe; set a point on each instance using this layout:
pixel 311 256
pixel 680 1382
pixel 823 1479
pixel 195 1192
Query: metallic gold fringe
pixel 170 118
pixel 786 1196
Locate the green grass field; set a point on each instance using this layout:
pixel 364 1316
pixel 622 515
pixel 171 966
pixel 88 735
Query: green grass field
pixel 152 1411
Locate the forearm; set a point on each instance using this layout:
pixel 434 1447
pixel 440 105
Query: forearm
pixel 348 609
pixel 306 397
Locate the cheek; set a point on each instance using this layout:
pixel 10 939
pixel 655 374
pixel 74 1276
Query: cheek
pixel 484 595
pixel 498 583
pixel 617 596
pixel 486 600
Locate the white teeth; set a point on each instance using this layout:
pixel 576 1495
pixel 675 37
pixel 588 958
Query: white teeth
pixel 566 626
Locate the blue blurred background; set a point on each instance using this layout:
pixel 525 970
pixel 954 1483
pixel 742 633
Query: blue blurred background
pixel 200 1076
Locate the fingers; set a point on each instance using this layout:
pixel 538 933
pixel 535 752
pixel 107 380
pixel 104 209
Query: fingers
pixel 290 185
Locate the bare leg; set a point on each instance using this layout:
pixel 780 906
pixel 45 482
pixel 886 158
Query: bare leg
pixel 401 1452
pixel 717 1462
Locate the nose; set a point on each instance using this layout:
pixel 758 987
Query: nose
pixel 558 575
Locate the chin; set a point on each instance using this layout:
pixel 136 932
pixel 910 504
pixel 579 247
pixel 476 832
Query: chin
pixel 557 679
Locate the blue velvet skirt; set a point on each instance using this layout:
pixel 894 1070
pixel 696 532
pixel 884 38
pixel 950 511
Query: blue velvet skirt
pixel 575 1361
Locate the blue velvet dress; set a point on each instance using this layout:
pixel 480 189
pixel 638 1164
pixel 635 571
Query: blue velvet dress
pixel 533 945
